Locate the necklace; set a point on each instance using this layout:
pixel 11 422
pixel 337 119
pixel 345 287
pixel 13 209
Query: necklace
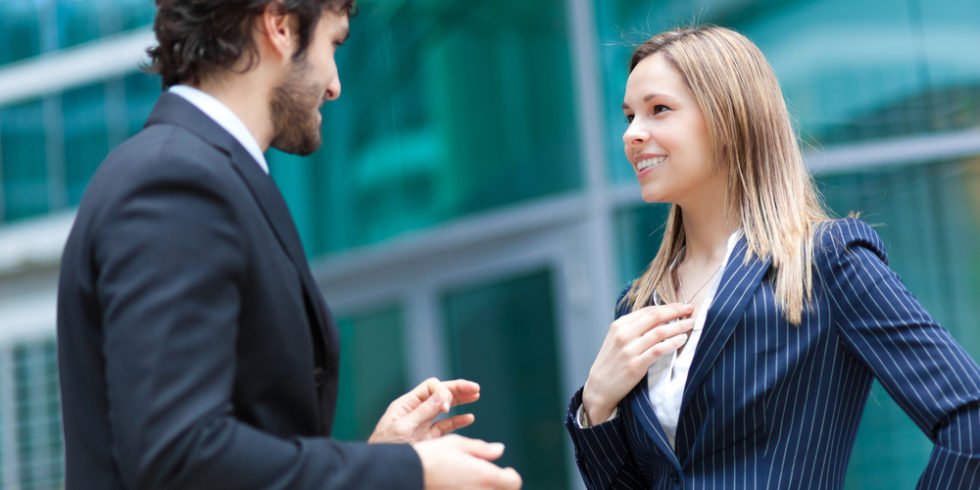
pixel 680 284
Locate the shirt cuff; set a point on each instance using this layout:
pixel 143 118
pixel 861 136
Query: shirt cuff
pixel 584 424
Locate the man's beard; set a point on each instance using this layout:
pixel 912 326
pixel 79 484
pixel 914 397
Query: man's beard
pixel 295 128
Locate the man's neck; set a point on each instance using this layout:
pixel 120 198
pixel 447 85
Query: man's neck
pixel 247 100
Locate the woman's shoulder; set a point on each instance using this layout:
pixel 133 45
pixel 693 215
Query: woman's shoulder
pixel 834 238
pixel 623 305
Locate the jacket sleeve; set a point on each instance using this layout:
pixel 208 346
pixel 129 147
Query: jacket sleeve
pixel 922 367
pixel 602 452
pixel 171 266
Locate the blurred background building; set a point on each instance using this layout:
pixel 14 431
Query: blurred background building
pixel 471 214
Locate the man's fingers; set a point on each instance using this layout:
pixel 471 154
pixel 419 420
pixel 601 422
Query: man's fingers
pixel 497 478
pixel 452 424
pixel 431 391
pixel 510 479
pixel 489 451
pixel 429 409
pixel 464 391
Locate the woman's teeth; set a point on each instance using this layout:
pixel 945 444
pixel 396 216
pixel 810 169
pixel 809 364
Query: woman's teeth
pixel 649 162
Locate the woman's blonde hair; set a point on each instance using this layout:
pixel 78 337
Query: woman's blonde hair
pixel 770 192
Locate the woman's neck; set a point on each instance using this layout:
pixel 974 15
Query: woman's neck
pixel 706 233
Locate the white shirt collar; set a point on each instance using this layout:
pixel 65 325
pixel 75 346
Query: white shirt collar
pixel 225 118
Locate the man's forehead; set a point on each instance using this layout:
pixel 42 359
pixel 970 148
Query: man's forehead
pixel 335 21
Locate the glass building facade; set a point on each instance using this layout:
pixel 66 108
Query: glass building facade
pixel 471 214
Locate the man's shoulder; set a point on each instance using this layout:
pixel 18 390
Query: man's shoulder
pixel 161 157
pixel 164 148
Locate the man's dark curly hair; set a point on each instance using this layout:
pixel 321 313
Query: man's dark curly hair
pixel 198 37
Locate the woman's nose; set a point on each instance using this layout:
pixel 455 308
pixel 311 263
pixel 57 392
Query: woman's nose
pixel 635 135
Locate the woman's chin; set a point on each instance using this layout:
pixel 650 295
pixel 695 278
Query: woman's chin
pixel 651 197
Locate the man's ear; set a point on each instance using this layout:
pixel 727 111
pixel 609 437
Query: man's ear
pixel 276 30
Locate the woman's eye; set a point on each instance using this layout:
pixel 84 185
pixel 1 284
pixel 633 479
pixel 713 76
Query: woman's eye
pixel 629 118
pixel 657 109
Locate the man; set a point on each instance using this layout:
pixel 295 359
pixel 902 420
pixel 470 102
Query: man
pixel 195 351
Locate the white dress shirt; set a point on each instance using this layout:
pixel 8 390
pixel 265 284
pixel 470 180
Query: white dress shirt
pixel 225 118
pixel 668 375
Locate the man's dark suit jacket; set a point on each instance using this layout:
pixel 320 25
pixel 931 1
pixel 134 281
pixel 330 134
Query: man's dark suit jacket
pixel 195 351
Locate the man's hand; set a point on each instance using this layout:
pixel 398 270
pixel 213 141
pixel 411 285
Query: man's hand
pixel 454 461
pixel 411 417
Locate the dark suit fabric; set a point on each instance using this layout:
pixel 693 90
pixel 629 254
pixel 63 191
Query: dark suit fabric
pixel 195 351
pixel 768 405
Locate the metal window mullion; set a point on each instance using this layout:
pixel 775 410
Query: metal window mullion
pixel 599 206
pixel 599 209
pixel 54 146
pixel 425 334
pixel 8 420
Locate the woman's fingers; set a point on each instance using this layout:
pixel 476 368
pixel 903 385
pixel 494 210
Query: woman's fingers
pixel 661 349
pixel 663 332
pixel 629 327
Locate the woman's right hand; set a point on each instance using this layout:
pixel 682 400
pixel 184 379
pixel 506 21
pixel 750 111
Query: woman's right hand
pixel 634 342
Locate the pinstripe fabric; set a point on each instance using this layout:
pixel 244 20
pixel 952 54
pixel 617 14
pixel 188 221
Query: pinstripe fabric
pixel 769 405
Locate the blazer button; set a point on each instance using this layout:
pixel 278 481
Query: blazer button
pixel 319 376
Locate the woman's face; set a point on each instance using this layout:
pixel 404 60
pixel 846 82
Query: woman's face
pixel 667 140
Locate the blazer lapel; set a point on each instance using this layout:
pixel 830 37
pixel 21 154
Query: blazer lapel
pixel 738 283
pixel 639 402
pixel 277 214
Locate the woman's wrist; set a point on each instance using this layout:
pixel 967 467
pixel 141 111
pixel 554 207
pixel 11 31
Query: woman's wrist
pixel 595 410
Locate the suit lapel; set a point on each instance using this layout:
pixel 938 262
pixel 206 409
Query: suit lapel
pixel 639 402
pixel 738 283
pixel 276 212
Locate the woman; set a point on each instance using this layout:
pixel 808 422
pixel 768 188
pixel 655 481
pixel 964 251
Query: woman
pixel 743 356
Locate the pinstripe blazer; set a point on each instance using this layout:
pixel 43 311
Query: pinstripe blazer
pixel 769 405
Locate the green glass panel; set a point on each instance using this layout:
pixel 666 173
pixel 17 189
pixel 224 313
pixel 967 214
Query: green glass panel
pixel 38 416
pixel 929 219
pixel 141 92
pixel 83 21
pixel 372 370
pixel 503 336
pixel 639 231
pixel 80 22
pixel 86 135
pixel 293 174
pixel 448 109
pixel 23 160
pixel 19 31
pixel 850 71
